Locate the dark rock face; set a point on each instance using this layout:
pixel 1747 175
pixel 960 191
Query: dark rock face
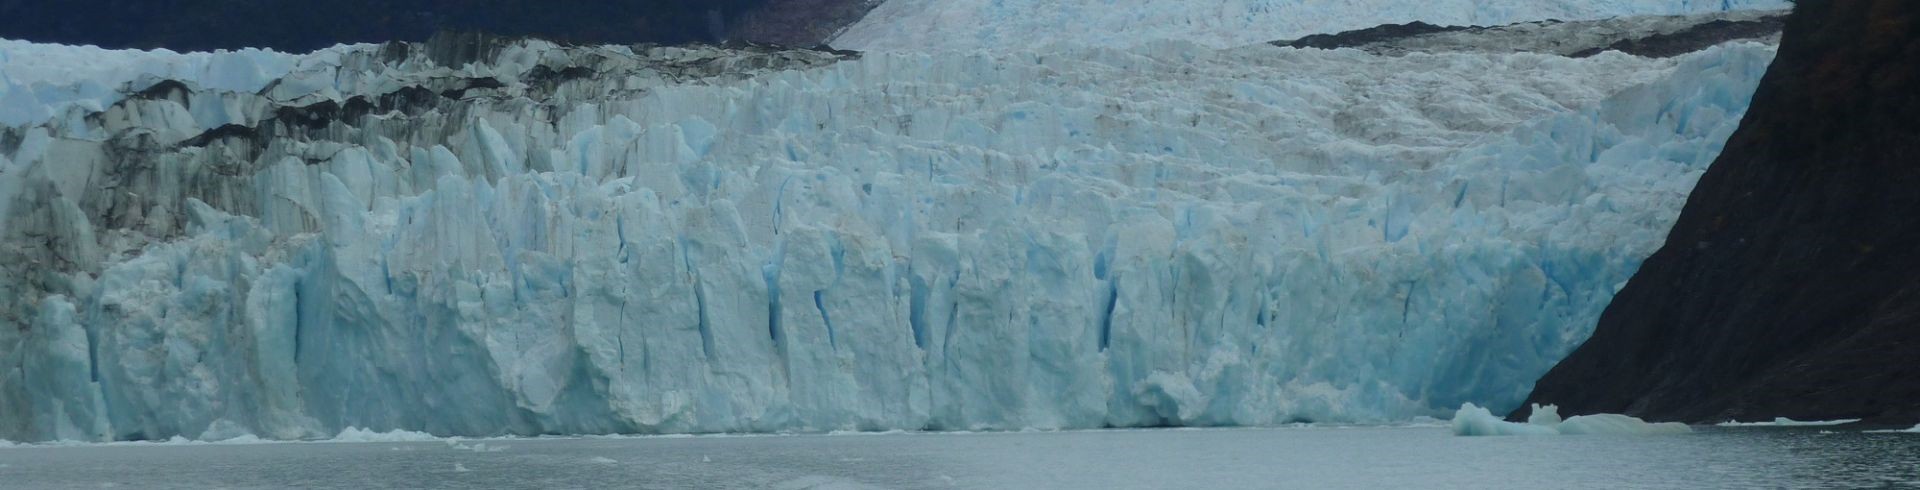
pixel 799 22
pixel 1791 284
pixel 1652 36
pixel 1668 45
pixel 1371 35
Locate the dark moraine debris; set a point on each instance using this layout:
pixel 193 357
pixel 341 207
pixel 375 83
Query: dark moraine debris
pixel 1790 286
pixel 411 100
pixel 548 79
pixel 454 49
pixel 1369 36
pixel 1693 38
pixel 1649 36
pixel 472 84
pixel 174 90
pixel 312 117
pixel 223 133
pixel 11 138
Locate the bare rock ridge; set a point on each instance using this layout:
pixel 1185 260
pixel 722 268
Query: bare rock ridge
pixel 1670 44
pixel 1788 286
pixel 799 22
pixel 1372 35
pixel 1648 36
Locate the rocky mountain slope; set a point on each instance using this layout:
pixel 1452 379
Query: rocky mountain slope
pixel 798 22
pixel 1647 35
pixel 1791 284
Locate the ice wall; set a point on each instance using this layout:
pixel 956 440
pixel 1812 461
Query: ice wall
pixel 1024 24
pixel 590 240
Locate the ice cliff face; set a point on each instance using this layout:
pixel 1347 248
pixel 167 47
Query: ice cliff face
pixel 478 237
pixel 1024 24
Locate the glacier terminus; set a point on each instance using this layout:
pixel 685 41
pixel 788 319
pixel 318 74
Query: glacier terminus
pixel 478 236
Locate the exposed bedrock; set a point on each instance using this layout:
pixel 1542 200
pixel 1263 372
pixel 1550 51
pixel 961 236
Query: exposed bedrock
pixel 1790 287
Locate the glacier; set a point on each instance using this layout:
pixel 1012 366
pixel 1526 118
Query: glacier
pixel 482 237
pixel 919 25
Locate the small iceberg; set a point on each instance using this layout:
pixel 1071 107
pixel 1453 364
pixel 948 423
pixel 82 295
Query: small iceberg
pixel 1914 430
pixel 1471 420
pixel 356 434
pixel 1787 422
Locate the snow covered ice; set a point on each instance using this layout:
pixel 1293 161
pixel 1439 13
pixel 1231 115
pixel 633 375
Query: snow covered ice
pixel 1020 24
pixel 547 239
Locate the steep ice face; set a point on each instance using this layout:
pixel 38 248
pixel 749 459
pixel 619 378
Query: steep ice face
pixel 526 238
pixel 1023 24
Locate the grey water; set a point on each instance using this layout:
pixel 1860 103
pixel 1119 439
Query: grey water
pixel 1422 457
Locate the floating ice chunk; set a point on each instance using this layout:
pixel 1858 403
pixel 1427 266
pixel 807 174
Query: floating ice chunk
pixel 356 434
pixel 1914 430
pixel 1787 422
pixel 1472 420
pixel 224 430
pixel 477 447
pixel 1608 423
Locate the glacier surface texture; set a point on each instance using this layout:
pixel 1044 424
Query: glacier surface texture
pixel 479 237
pixel 1022 24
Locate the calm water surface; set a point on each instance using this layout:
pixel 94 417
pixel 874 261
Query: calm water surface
pixel 1238 458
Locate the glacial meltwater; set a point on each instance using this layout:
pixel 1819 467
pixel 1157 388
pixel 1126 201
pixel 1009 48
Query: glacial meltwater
pixel 1317 457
